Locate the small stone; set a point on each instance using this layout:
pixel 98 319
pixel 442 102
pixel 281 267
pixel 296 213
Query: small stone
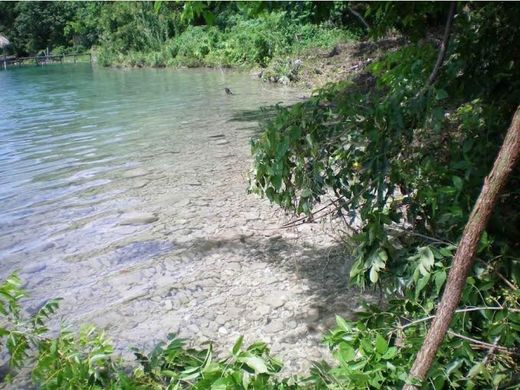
pixel 275 300
pixel 274 326
pixel 222 142
pixel 222 330
pixel 313 314
pixel 138 219
pixel 221 319
pixel 135 173
pixel 263 310
pixel 34 268
pixel 292 324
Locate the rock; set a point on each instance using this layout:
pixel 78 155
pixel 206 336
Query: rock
pixel 34 268
pixel 274 326
pixel 313 314
pixel 275 300
pixel 233 266
pixel 221 319
pixel 240 291
pixel 139 183
pixel 135 173
pixel 284 80
pixel 222 142
pixel 222 330
pixel 138 219
pixel 263 310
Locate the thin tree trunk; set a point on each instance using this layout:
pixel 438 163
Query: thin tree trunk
pixel 361 18
pixel 508 156
pixel 444 45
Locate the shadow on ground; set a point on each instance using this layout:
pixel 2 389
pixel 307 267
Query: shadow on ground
pixel 324 270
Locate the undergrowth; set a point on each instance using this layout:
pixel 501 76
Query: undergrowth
pixel 243 43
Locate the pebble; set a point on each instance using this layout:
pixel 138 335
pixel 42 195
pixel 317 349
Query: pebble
pixel 135 173
pixel 274 326
pixel 34 268
pixel 138 219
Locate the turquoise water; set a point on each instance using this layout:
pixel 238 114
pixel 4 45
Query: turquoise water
pixel 81 146
pixel 124 192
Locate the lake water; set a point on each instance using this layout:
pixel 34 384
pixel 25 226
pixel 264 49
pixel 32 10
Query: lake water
pixel 124 193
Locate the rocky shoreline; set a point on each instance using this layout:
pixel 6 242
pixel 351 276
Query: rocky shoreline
pixel 174 244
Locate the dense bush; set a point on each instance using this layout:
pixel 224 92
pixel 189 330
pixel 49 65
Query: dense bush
pixel 404 162
pixel 244 42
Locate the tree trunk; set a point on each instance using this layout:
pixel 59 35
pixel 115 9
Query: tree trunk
pixel 444 45
pixel 507 157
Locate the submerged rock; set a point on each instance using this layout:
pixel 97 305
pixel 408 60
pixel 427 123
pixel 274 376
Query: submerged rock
pixel 135 173
pixel 138 219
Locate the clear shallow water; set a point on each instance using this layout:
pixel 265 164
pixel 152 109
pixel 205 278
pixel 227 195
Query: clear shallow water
pixel 80 144
pixel 124 193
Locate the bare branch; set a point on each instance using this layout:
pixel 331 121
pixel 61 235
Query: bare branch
pixel 444 45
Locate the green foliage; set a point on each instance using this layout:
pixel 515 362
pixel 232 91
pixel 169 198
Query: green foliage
pixel 375 351
pixel 240 42
pixel 87 360
pixel 405 164
pixel 174 33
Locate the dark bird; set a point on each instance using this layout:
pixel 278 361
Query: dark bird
pixel 228 91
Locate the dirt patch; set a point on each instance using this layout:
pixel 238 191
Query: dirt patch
pixel 315 68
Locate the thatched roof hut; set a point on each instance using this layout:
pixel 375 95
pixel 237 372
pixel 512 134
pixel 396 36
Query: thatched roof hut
pixel 3 41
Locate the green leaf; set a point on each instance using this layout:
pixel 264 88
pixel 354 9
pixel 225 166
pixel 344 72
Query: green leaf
pixel 426 260
pixel 238 345
pixel 374 275
pixel 255 363
pixel 457 182
pixel 221 384
pixel 346 352
pixel 439 278
pixel 342 324
pixel 168 373
pixel 95 358
pixel 441 94
pixel 391 353
pixel 421 284
pixel 381 344
pixel 475 370
pixel 306 193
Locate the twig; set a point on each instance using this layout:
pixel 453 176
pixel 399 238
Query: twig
pixel 295 222
pixel 483 343
pixel 499 274
pixel 504 279
pixel 463 310
pixel 411 233
pixel 491 350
